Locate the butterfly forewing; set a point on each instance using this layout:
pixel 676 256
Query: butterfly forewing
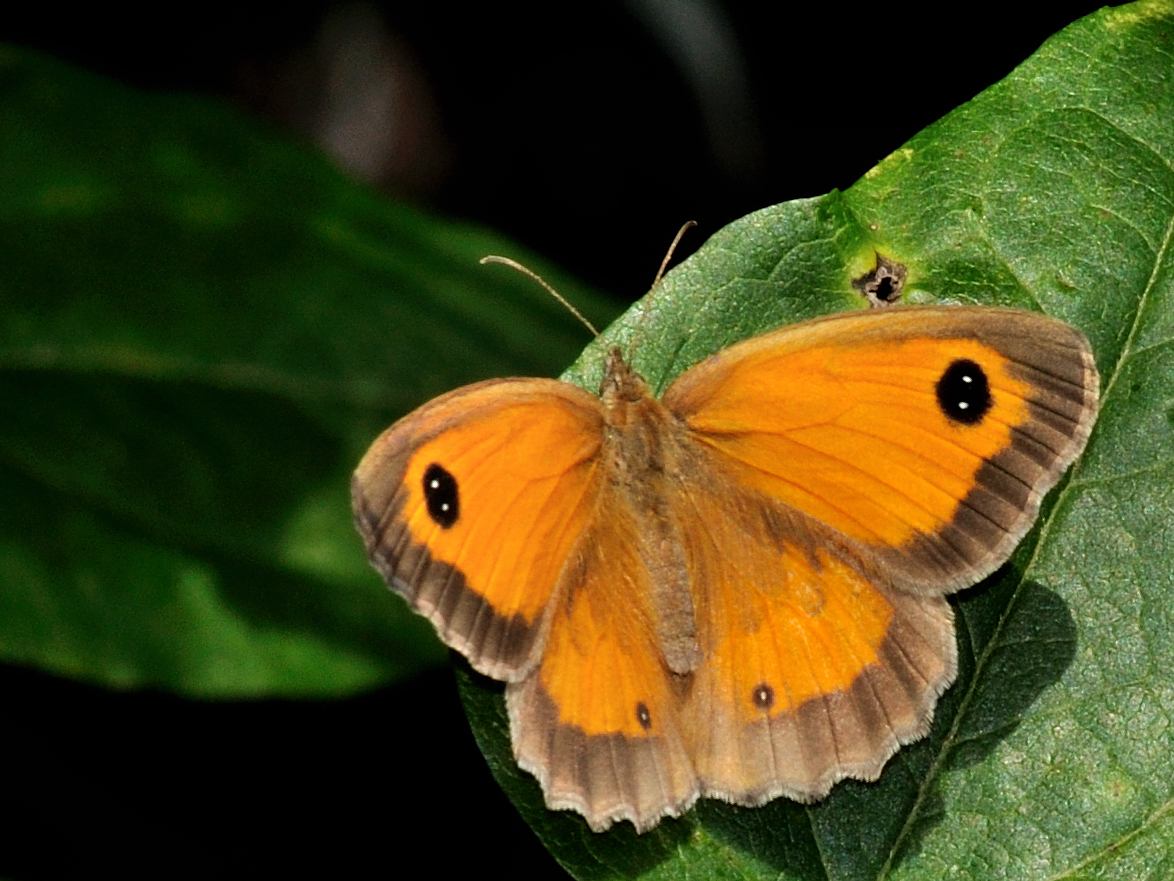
pixel 472 506
pixel 926 436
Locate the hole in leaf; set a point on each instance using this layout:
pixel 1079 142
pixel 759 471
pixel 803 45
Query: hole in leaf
pixel 884 284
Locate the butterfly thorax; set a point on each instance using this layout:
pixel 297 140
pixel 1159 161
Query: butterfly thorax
pixel 638 431
pixel 644 459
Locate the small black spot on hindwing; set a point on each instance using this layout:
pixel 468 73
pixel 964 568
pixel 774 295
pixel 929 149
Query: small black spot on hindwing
pixel 763 696
pixel 440 492
pixel 643 716
pixel 964 393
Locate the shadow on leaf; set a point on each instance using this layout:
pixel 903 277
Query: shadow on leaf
pixel 1016 639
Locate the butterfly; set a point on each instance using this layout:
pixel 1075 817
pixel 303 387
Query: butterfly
pixel 736 590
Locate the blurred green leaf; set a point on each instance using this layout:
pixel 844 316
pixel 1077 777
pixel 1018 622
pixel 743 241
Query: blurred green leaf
pixel 1051 757
pixel 203 326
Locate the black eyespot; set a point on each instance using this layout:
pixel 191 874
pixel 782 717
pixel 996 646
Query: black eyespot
pixel 643 716
pixel 440 492
pixel 963 392
pixel 763 696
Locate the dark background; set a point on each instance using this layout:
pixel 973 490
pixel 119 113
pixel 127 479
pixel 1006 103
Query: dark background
pixel 588 133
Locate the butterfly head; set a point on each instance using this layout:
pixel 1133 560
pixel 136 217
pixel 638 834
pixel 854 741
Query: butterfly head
pixel 621 384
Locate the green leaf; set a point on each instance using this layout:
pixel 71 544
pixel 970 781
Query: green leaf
pixel 203 327
pixel 1051 757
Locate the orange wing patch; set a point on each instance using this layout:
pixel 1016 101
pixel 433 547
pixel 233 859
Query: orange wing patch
pixel 604 678
pixel 850 436
pixel 800 629
pixel 525 485
pixel 602 667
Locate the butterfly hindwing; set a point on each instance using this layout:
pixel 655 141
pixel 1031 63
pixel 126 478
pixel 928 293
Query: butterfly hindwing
pixel 814 669
pixel 598 722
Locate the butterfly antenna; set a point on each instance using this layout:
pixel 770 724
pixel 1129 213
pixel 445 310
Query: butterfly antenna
pixel 645 309
pixel 664 264
pixel 525 270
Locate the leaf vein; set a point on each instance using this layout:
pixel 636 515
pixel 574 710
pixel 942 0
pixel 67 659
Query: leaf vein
pixel 1116 845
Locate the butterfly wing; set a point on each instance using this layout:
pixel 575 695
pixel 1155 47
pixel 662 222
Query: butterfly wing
pixel 849 472
pixel 598 723
pixel 925 436
pixel 814 668
pixel 471 506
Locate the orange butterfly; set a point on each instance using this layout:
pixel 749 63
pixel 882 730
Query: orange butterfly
pixel 736 591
